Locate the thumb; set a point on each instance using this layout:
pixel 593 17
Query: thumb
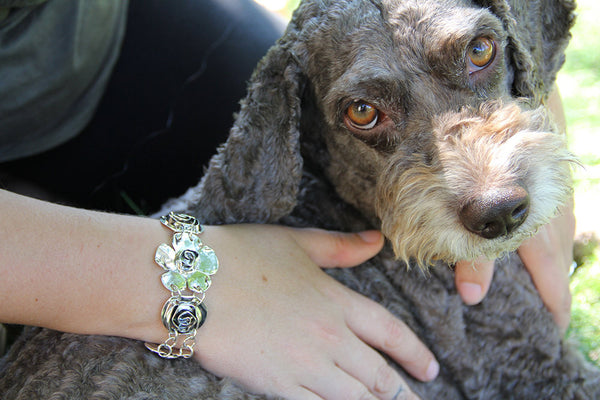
pixel 337 249
pixel 473 279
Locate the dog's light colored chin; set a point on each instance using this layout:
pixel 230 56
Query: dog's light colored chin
pixel 451 247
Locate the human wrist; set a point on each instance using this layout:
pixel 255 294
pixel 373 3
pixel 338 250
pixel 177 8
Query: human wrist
pixel 136 293
pixel 139 317
pixel 188 264
pixel 91 272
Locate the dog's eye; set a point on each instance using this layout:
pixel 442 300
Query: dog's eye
pixel 362 115
pixel 481 53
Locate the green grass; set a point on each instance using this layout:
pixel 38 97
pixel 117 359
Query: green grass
pixel 579 83
pixel 585 329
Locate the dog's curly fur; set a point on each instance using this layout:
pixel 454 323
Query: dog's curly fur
pixel 445 138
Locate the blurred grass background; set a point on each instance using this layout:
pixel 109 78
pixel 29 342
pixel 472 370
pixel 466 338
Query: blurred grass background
pixel 579 84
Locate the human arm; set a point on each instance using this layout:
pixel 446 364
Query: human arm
pixel 94 273
pixel 547 256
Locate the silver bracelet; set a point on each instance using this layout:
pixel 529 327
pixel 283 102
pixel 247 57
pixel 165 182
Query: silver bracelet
pixel 188 265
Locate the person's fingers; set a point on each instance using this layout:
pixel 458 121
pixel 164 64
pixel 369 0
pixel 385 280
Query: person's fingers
pixel 369 367
pixel 377 327
pixel 302 393
pixel 336 249
pixel 473 279
pixel 548 257
pixel 550 276
pixel 337 384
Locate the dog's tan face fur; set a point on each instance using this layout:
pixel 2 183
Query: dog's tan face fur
pixel 447 132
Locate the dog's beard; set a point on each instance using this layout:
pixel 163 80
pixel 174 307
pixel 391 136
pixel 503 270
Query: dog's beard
pixel 419 204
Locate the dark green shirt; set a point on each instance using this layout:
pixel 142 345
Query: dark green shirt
pixel 55 59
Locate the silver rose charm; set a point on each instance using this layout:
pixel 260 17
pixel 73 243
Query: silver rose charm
pixel 181 222
pixel 188 265
pixel 183 314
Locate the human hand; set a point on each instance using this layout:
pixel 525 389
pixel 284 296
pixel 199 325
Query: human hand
pixel 547 256
pixel 279 325
pixel 276 322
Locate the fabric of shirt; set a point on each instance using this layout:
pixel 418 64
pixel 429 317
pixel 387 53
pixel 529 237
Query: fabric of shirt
pixel 55 60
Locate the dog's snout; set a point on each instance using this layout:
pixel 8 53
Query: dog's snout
pixel 496 213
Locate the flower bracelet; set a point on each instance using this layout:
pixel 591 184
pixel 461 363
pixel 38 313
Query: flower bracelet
pixel 188 265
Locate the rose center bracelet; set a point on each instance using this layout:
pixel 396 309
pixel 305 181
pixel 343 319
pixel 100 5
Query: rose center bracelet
pixel 188 265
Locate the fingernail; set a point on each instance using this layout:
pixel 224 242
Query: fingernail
pixel 432 370
pixel 470 292
pixel 370 236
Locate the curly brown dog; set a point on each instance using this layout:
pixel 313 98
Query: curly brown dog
pixel 423 118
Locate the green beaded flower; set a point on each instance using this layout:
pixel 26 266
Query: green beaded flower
pixel 189 263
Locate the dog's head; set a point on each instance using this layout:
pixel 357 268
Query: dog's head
pixel 410 107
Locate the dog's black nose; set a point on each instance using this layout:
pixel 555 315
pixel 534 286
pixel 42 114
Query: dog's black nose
pixel 496 213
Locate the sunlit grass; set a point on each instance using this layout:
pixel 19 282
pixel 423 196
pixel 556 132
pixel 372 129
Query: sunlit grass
pixel 585 329
pixel 579 83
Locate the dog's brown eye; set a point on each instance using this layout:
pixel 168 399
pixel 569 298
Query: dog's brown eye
pixel 481 53
pixel 362 115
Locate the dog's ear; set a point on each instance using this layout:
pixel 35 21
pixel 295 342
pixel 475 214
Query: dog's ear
pixel 256 174
pixel 538 32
